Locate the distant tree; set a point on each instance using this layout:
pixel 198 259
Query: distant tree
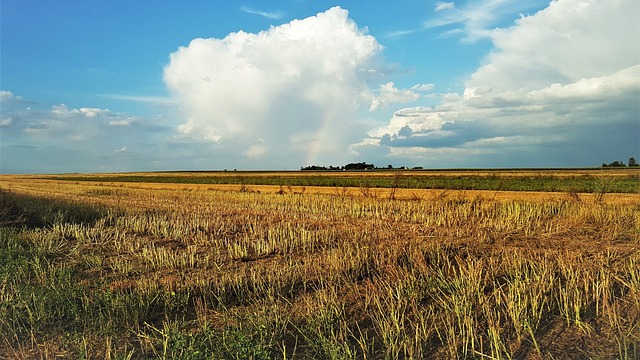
pixel 633 162
pixel 314 168
pixel 359 166
pixel 615 164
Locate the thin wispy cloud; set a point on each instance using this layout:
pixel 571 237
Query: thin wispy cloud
pixel 475 20
pixel 268 14
pixel 423 87
pixel 155 100
pixel 444 6
pixel 399 33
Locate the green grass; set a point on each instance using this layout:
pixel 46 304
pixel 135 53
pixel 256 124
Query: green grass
pixel 42 295
pixel 548 183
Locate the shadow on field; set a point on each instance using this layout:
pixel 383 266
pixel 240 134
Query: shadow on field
pixel 18 210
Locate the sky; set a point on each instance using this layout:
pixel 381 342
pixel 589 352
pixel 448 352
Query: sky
pixel 118 86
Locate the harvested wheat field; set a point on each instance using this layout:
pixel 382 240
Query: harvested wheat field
pixel 108 267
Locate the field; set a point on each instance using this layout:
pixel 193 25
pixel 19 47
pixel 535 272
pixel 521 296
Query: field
pixel 296 265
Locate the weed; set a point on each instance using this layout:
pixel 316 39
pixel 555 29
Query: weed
pixel 88 272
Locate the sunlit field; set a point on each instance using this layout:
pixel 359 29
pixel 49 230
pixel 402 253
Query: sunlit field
pixel 105 266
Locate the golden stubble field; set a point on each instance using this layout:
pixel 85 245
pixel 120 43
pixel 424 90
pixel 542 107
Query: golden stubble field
pixel 368 191
pixel 141 270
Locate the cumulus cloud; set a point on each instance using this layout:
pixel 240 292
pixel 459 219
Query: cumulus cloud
pixel 7 96
pixel 10 102
pixel 567 41
pixel 62 122
pixel 389 94
pixel 58 138
pixel 295 87
pixel 558 89
pixel 62 111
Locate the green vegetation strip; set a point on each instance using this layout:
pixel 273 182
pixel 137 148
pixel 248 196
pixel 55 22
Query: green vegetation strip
pixel 546 183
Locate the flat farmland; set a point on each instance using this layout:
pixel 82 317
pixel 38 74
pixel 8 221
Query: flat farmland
pixel 298 265
pixel 585 181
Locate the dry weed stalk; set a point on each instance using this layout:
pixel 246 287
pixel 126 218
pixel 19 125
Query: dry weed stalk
pixel 325 276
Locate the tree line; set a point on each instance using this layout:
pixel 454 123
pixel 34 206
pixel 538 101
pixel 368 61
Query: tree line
pixel 350 166
pixel 615 164
pixel 355 166
pixel 364 166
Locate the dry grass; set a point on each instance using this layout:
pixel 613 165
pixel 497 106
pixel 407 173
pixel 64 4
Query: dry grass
pixel 49 187
pixel 164 271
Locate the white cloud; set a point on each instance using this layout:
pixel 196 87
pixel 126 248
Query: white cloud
pixel 569 40
pixel 7 96
pixel 399 33
pixel 154 100
pixel 9 102
pixel 559 89
pixel 477 19
pixel 625 81
pixel 389 94
pixel 93 112
pixel 444 6
pixel 256 151
pixel 423 87
pixel 63 139
pixel 267 14
pixel 75 124
pixel 6 122
pixel 417 119
pixel 121 122
pixel 62 111
pixel 301 80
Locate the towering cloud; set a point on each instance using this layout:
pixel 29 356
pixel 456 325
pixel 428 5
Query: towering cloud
pixel 284 91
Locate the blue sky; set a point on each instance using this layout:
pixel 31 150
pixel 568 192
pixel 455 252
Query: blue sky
pixel 103 86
